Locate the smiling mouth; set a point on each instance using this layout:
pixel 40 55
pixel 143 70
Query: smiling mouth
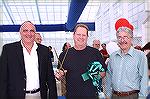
pixel 124 43
pixel 28 36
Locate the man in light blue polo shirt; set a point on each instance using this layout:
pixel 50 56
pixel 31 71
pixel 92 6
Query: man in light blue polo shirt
pixel 127 75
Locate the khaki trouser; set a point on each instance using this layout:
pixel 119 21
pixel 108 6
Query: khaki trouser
pixel 33 96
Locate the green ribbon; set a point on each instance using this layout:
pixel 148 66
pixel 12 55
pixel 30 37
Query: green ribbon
pixel 93 73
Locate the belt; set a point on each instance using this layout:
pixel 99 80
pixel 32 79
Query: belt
pixel 33 91
pixel 125 93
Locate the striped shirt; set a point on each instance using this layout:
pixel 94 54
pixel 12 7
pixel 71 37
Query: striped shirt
pixel 127 72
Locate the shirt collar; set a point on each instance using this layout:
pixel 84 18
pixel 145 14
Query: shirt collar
pixel 130 52
pixel 34 45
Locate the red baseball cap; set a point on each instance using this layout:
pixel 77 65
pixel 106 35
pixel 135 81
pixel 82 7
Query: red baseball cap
pixel 122 22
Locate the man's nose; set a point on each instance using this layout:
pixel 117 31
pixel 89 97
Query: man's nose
pixel 81 36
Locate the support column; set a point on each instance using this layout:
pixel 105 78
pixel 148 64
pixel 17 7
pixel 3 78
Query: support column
pixel 146 24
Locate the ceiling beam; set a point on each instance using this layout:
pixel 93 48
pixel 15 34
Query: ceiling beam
pixel 8 11
pixel 37 7
pixel 44 28
pixel 75 10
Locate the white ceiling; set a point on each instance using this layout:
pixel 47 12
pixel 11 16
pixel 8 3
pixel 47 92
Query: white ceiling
pixel 14 12
pixel 43 11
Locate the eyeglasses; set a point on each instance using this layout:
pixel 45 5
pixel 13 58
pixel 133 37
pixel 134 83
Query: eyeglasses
pixel 28 30
pixel 123 38
pixel 39 39
pixel 97 44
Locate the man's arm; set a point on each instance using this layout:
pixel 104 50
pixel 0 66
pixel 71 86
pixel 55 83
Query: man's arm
pixel 3 74
pixel 108 80
pixel 101 60
pixel 51 80
pixel 143 71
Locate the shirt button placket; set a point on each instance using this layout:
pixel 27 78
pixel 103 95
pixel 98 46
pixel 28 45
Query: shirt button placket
pixel 120 72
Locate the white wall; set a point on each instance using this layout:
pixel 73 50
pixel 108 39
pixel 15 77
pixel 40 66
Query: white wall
pixel 147 24
pixel 110 12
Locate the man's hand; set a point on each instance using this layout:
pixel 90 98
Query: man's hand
pixel 59 74
pixel 102 74
pixel 107 97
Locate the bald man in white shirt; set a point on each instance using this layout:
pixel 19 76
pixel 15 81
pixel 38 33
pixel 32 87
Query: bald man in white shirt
pixel 25 69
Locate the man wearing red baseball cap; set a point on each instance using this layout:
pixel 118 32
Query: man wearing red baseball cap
pixel 127 75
